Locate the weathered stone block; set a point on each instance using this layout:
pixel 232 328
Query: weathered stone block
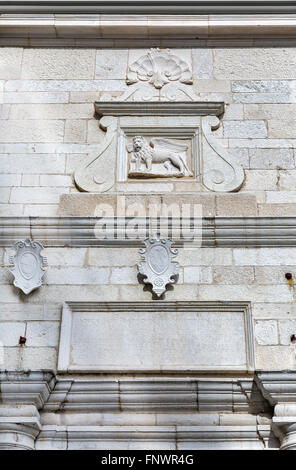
pixel 274 310
pixel 77 276
pixel 238 204
pixel 72 85
pixel 233 275
pixel 274 358
pixel 58 63
pixel 11 210
pixel 42 210
pixel 10 180
pixel 252 293
pixel 287 180
pixel 75 131
pixel 52 111
pixel 31 130
pixel 66 257
pixel 245 129
pixel 56 180
pixel 10 332
pixel 111 65
pixel 277 210
pixel 203 63
pixel 30 358
pixel 4 109
pixel 124 275
pixel 263 179
pixel 112 257
pixel 271 159
pixel 272 274
pixel 42 333
pixel 261 86
pixel 32 163
pixel 233 112
pixel 264 256
pixel 196 274
pixel 35 97
pixel 30 180
pixel 287 328
pixel 10 62
pixel 281 197
pixel 4 195
pixel 266 332
pixel 258 63
pixel 263 98
pixel 283 129
pixel 209 85
pixel 36 195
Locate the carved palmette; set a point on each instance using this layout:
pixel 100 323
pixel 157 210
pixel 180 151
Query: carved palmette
pixel 28 269
pixel 157 266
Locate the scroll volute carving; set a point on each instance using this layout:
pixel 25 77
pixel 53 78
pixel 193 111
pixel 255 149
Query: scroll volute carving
pixel 221 172
pixel 97 173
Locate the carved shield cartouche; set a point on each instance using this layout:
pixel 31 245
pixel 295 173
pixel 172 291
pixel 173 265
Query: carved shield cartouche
pixel 28 267
pixel 157 266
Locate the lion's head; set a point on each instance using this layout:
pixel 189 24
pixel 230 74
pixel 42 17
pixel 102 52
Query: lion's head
pixel 139 142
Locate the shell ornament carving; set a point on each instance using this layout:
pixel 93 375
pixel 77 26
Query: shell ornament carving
pixel 157 266
pixel 159 68
pixel 28 268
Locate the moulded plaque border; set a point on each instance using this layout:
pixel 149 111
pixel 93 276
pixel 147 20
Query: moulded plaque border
pixel 71 308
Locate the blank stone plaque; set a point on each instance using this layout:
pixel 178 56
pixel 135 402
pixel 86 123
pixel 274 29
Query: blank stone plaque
pixel 156 336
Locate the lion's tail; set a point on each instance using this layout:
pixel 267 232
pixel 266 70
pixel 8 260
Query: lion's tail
pixel 189 173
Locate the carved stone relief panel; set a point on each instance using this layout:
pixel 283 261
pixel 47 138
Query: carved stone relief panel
pixel 158 157
pixel 159 67
pixel 157 266
pixel 28 265
pixel 158 130
pixel 159 140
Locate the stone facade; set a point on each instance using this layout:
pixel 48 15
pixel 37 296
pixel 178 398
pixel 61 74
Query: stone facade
pixel 230 385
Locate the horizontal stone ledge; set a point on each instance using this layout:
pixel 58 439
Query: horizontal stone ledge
pixel 156 108
pixel 155 305
pixel 72 22
pixel 212 232
pixel 136 7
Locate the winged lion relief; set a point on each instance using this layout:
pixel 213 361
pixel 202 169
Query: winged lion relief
pixel 158 158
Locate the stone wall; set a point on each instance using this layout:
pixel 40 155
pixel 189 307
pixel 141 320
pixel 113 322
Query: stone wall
pixel 47 121
pixel 255 275
pixel 47 126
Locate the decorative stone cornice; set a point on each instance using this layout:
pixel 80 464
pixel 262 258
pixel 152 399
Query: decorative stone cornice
pixel 49 20
pixel 95 393
pixel 136 7
pixel 155 395
pixel 193 410
pixel 253 437
pixel 277 386
pixel 279 389
pixel 215 231
pixel 26 388
pixel 159 108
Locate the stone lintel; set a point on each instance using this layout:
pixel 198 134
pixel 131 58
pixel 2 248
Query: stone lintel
pixel 159 108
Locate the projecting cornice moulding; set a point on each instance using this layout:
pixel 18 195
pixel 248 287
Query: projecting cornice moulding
pixel 136 7
pixel 159 108
pixel 214 231
pixel 21 25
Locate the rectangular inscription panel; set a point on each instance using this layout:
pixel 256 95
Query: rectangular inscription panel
pixel 171 336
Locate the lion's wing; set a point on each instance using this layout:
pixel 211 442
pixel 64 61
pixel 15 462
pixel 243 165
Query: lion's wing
pixel 160 143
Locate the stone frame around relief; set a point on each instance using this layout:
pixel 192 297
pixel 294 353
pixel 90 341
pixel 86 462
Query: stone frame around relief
pixel 176 132
pixel 103 168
